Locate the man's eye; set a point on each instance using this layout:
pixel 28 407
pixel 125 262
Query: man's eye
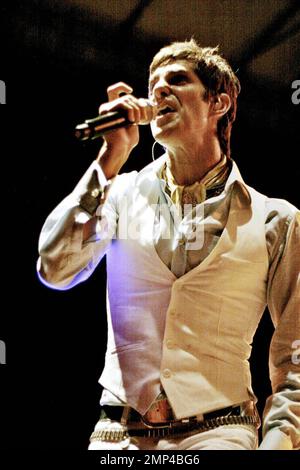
pixel 178 79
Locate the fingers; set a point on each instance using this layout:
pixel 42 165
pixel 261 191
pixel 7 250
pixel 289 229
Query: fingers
pixel 139 110
pixel 127 102
pixel 148 111
pixel 116 90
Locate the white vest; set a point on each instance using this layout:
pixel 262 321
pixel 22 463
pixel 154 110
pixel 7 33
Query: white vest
pixel 193 335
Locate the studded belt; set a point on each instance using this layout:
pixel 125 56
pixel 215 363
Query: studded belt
pixel 140 428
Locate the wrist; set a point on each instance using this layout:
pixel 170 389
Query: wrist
pixel 111 158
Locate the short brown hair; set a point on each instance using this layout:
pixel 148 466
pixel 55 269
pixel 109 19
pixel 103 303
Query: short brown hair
pixel 215 74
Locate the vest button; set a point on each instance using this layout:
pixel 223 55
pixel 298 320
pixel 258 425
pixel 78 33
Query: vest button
pixel 95 192
pixel 167 373
pixel 173 313
pixel 170 344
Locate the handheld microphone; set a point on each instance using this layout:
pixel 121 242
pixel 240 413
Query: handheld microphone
pixel 94 128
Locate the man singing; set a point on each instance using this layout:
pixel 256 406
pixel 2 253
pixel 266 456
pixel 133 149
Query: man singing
pixel 194 255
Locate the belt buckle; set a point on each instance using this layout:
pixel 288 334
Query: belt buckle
pixel 159 414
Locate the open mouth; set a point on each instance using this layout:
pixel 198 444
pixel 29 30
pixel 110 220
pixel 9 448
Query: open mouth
pixel 165 110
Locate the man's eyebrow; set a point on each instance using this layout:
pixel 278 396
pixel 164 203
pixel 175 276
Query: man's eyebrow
pixel 169 74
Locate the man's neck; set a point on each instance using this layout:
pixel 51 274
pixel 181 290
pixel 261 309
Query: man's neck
pixel 188 166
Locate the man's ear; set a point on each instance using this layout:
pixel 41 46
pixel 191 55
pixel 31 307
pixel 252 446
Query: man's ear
pixel 220 104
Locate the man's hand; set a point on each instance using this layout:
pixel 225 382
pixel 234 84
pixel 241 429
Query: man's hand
pixel 119 143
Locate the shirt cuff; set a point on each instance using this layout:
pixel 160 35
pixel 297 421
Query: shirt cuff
pixel 276 440
pixel 91 188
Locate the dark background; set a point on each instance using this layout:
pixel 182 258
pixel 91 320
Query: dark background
pixel 57 58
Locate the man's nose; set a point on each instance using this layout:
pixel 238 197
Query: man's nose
pixel 160 90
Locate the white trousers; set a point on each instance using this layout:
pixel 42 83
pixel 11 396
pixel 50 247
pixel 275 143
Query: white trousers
pixel 229 437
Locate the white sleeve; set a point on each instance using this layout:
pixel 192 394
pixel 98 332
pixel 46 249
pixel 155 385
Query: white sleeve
pixel 281 427
pixel 65 259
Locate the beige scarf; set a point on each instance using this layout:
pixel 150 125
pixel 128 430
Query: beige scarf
pixel 195 193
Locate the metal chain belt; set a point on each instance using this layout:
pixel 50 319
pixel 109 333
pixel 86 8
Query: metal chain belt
pixel 117 435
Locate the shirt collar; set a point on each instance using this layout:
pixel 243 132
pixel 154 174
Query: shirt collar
pixel 234 180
